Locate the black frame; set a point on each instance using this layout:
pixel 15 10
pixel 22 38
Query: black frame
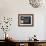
pixel 26 16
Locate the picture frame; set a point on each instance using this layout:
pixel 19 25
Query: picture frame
pixel 25 20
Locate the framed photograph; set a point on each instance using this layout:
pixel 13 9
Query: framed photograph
pixel 25 19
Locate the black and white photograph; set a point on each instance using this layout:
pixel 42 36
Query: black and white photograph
pixel 25 19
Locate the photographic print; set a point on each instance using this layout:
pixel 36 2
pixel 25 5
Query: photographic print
pixel 25 20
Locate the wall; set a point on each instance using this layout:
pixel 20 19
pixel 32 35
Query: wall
pixel 11 8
